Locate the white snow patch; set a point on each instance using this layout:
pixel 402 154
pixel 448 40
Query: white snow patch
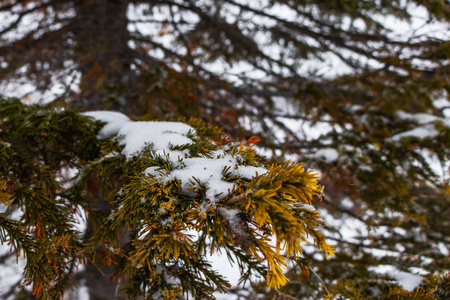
pixel 443 249
pixel 249 172
pixel 427 131
pixel 155 171
pixel 114 122
pixel 327 154
pixel 137 135
pixel 162 135
pixel 354 108
pixel 441 103
pixel 308 207
pixel 173 156
pixel 209 172
pixel 346 203
pixel 420 118
pixel 348 148
pixel 407 280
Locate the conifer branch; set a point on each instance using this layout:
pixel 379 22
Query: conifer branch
pixel 238 198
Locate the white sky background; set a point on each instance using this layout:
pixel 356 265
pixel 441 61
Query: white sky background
pixel 330 67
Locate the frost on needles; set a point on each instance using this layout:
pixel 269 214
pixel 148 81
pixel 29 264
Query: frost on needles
pixel 177 192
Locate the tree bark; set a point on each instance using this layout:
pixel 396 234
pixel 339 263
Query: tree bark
pixel 104 58
pixel 103 55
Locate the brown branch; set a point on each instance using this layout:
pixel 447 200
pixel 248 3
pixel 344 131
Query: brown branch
pixel 238 198
pixel 320 279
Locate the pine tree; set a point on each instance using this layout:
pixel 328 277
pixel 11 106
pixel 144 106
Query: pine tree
pixel 256 68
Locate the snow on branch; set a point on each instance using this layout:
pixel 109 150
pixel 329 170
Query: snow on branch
pixel 159 197
pixel 189 194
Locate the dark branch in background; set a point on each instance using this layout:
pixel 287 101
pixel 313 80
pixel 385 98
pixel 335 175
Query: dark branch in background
pixel 13 3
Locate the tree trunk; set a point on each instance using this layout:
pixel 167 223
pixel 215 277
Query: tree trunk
pixel 103 55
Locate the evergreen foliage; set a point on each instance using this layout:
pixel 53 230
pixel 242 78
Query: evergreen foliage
pixel 172 225
pixel 337 86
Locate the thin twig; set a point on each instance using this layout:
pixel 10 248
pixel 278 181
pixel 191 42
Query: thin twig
pixel 320 279
pixel 239 197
